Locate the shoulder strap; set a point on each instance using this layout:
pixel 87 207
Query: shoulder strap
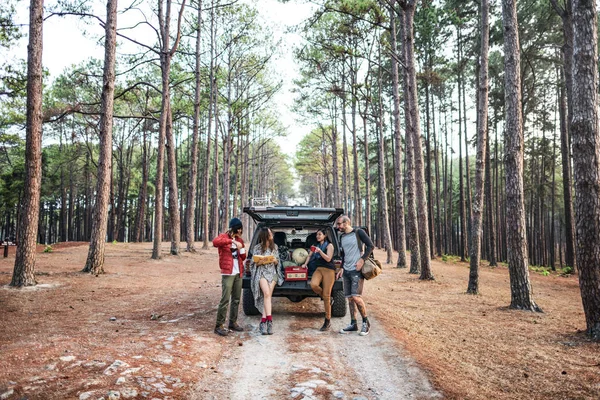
pixel 359 242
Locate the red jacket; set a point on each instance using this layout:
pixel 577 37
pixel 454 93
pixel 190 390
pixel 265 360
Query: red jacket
pixel 223 243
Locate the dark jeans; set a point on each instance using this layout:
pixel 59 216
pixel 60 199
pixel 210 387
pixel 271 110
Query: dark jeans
pixel 353 283
pixel 231 287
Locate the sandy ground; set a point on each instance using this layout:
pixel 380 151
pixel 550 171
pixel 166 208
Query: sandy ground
pixel 144 330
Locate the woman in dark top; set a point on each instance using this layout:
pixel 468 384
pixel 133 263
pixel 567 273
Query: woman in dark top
pixel 320 260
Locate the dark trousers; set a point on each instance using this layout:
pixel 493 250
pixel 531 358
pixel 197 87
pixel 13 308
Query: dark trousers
pixel 231 288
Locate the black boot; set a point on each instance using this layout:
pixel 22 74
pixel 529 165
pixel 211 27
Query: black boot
pixel 220 330
pixel 326 325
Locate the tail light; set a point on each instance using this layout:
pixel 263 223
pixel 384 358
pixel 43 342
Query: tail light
pixel 247 267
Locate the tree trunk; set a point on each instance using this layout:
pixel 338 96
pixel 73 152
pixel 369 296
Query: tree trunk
pixel 413 226
pixel 428 166
pixel 166 133
pixel 491 223
pixel 383 205
pixel 174 217
pixel 367 222
pixel 463 214
pixel 356 211
pixel 345 169
pixel 520 287
pixel 398 189
pixel 334 166
pixel 482 132
pixel 95 258
pixel 205 184
pixel 565 142
pixel 414 131
pixel 215 192
pixel 586 144
pixel 141 214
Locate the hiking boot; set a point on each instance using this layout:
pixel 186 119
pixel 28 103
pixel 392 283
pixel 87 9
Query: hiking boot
pixel 221 331
pixel 233 326
pixel 270 327
pixel 262 327
pixel 326 325
pixel 350 328
pixel 366 327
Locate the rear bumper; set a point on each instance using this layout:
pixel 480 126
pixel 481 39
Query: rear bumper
pixel 294 288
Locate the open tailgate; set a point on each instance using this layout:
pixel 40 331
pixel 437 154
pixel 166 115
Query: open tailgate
pixel 293 214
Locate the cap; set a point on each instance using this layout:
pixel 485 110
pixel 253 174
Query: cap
pixel 235 223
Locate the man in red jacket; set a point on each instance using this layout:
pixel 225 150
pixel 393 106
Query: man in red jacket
pixel 231 261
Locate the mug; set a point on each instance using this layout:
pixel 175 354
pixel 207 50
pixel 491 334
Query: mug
pixel 313 249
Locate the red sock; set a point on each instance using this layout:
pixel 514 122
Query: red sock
pixel 263 320
pixel 269 318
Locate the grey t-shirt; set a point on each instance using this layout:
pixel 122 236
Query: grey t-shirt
pixel 351 251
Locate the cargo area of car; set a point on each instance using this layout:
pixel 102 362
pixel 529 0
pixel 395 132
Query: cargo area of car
pixel 294 232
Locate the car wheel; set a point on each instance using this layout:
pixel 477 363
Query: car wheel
pixel 296 299
pixel 248 303
pixel 338 308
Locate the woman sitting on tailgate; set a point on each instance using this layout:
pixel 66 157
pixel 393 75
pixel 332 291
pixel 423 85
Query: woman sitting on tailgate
pixel 320 265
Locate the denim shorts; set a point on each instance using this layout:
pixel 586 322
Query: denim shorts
pixel 353 283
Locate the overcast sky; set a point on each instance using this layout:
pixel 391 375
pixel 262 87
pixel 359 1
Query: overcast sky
pixel 68 41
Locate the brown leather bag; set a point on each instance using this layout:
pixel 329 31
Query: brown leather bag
pixel 371 268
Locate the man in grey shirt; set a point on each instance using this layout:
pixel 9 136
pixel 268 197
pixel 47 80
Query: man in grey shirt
pixel 353 259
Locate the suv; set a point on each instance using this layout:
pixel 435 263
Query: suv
pixel 295 227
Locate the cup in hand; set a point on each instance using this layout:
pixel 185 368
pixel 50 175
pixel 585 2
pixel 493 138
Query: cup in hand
pixel 313 249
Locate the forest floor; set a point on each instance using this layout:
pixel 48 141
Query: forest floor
pixel 145 330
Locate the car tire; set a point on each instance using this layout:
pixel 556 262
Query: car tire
pixel 338 308
pixel 248 303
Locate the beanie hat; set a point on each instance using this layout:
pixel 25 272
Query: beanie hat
pixel 235 223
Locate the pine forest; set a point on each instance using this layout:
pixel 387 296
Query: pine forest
pixel 448 129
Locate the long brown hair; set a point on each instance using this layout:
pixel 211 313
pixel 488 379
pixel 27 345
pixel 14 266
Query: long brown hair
pixel 265 240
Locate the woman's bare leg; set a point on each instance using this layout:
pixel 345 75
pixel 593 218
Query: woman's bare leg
pixel 267 291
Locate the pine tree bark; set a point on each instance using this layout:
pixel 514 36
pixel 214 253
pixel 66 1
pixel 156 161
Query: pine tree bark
pixel 141 213
pixel 490 207
pixel 565 143
pixel 586 144
pixel 95 258
pixel 212 97
pixel 383 207
pixel 367 220
pixel 398 189
pixel 356 195
pixel 462 208
pixel 24 269
pixel 414 131
pixel 412 224
pixel 334 166
pixel 166 134
pixel 174 216
pixel 520 286
pixel 482 134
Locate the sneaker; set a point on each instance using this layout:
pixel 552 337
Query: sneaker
pixel 233 326
pixel 270 327
pixel 366 327
pixel 326 325
pixel 350 328
pixel 221 331
pixel 262 327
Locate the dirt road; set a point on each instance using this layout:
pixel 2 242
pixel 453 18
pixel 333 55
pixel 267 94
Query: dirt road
pixel 300 362
pixel 144 330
